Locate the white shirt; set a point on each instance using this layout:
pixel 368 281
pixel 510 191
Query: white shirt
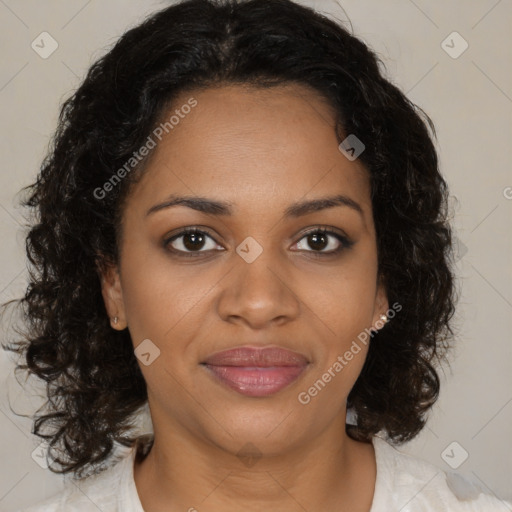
pixel 404 484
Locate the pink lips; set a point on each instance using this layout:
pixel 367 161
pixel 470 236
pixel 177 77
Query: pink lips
pixel 256 371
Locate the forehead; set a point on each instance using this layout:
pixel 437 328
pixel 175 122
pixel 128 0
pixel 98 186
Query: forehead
pixel 247 145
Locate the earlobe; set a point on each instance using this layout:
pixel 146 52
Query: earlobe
pixel 381 306
pixel 112 293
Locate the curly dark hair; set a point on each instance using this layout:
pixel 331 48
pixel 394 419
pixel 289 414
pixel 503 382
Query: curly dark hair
pixel 94 385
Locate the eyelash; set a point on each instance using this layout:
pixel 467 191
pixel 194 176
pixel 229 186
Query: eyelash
pixel 345 243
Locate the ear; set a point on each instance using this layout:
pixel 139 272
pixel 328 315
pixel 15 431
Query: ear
pixel 381 305
pixel 112 293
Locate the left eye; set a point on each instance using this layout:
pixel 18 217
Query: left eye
pixel 324 241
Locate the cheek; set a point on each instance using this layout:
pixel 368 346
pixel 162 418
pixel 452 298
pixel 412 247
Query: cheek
pixel 341 309
pixel 345 298
pixel 161 298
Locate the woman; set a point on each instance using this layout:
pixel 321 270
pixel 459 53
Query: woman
pixel 241 224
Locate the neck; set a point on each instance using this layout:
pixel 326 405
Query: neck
pixel 329 472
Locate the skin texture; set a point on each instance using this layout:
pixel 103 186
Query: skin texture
pixel 261 151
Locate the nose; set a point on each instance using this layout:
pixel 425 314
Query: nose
pixel 258 294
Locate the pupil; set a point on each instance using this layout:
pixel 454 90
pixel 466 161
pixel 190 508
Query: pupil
pixel 195 238
pixel 315 237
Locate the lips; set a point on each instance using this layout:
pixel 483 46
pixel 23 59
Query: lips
pixel 256 372
pixel 262 357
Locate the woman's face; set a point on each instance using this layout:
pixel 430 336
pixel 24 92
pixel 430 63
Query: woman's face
pixel 258 275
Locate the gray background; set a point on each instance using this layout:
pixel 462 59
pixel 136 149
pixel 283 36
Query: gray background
pixel 470 101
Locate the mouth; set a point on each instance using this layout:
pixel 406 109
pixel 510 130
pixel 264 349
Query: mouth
pixel 256 372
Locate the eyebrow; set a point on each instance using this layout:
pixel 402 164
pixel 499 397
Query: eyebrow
pixel 222 208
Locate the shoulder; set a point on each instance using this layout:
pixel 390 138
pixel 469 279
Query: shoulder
pixel 101 491
pixel 414 485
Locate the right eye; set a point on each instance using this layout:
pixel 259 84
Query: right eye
pixel 190 241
